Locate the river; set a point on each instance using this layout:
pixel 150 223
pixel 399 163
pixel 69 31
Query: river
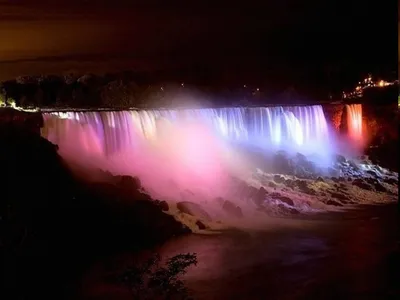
pixel 346 255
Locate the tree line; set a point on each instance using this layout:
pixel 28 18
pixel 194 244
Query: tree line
pixel 121 90
pixel 73 91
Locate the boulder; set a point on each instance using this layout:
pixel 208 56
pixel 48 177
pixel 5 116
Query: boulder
pixel 303 187
pixel 271 185
pixel 162 204
pixel 379 187
pixel 372 173
pixel 288 210
pixel 303 167
pixel 290 183
pixel 244 191
pixel 279 178
pixel 128 183
pixel 339 196
pixel 334 203
pixel 391 181
pixel 340 159
pixel 201 225
pixel 193 209
pixel 335 179
pixel 282 164
pixel 354 166
pixel 259 197
pixel 282 198
pixel 232 209
pixel 361 184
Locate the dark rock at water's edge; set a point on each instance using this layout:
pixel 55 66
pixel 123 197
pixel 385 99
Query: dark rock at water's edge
pixel 52 225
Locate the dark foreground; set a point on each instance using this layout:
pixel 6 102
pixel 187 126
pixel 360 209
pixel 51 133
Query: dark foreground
pixel 352 255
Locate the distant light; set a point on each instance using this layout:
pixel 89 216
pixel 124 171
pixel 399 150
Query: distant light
pixel 258 89
pixel 244 86
pixel 381 83
pixel 358 88
pixel 182 84
pixel 162 88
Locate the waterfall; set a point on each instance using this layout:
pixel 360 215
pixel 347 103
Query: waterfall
pixel 354 121
pixel 298 128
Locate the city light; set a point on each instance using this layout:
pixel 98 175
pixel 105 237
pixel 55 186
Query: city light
pixel 362 85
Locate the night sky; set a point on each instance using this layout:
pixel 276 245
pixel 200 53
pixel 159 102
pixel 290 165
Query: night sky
pixel 310 45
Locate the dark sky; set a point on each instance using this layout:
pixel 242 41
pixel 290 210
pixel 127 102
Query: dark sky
pixel 323 43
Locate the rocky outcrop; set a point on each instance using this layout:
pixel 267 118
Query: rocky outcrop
pixel 51 215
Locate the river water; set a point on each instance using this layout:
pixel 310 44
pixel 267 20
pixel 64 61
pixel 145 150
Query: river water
pixel 347 255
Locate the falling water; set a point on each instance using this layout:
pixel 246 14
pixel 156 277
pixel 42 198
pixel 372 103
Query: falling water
pixel 354 122
pixel 298 128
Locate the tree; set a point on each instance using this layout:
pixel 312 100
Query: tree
pixel 119 94
pixel 3 100
pixel 153 281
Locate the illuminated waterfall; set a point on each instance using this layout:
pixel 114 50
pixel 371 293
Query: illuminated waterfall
pixel 354 121
pixel 299 128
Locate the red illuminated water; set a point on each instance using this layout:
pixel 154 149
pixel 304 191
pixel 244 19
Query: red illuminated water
pixel 354 122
